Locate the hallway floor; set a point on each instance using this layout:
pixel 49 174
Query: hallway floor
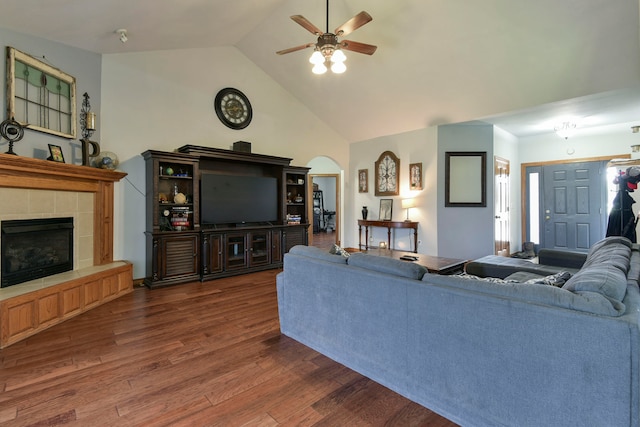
pixel 324 240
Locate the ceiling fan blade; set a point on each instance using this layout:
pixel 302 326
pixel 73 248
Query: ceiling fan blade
pixel 353 24
pixel 367 49
pixel 302 21
pixel 293 49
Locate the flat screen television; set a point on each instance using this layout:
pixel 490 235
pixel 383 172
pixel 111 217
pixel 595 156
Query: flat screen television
pixel 238 199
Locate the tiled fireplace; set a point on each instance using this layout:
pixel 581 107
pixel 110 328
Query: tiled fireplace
pixel 40 190
pixel 35 205
pixel 35 248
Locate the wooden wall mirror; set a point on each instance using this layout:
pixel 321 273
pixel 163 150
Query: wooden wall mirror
pixel 465 179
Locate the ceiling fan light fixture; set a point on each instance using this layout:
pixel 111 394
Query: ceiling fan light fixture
pixel 319 68
pixel 327 49
pixel 338 67
pixel 338 56
pixel 316 57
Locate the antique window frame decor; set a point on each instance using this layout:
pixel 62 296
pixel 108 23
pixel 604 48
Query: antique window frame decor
pixel 56 153
pixel 363 180
pixel 387 169
pixel 415 176
pixel 39 96
pixel 386 210
pixel 465 179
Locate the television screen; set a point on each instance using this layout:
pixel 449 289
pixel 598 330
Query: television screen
pixel 237 199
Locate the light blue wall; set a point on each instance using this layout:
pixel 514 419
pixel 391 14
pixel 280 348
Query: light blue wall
pixel 475 224
pixel 85 66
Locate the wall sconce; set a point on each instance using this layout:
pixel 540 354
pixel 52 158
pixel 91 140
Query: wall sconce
pixel 87 118
pixel 408 204
pixel 635 129
pixel 382 245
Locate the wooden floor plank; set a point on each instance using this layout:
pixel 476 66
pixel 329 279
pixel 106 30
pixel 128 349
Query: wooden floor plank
pixel 195 354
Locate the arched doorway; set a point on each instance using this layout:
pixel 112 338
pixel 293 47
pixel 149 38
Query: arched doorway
pixel 325 179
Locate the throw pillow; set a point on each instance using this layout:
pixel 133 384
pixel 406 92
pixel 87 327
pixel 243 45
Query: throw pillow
pixel 337 250
pixel 557 279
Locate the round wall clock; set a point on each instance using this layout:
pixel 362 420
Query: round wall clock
pixel 386 169
pixel 233 108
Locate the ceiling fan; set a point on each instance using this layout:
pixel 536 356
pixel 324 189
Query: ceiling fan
pixel 328 49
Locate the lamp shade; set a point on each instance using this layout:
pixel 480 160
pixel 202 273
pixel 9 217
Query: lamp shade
pixel 408 203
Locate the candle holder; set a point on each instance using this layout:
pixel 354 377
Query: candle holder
pixel 87 118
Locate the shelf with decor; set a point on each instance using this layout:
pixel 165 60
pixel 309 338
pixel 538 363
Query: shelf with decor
pixel 213 213
pixel 296 195
pixel 172 219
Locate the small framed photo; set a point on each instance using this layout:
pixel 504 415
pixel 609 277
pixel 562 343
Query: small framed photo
pixel 415 176
pixel 386 209
pixel 56 153
pixel 363 181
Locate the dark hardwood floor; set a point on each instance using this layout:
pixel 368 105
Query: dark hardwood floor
pixel 324 239
pixel 201 354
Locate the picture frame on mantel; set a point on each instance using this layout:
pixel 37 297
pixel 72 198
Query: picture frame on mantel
pixel 56 153
pixel 465 179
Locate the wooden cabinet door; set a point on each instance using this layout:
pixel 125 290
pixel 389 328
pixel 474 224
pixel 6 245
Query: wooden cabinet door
pixel 276 246
pixel 259 248
pixel 235 251
pixel 295 235
pixel 211 253
pixel 178 256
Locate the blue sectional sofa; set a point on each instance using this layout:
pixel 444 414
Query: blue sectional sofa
pixel 481 353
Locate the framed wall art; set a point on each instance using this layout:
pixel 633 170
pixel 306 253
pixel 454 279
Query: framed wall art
pixel 386 170
pixel 465 179
pixel 363 181
pixel 39 96
pixel 386 209
pixel 415 176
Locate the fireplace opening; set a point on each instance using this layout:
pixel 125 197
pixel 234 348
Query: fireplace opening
pixel 35 248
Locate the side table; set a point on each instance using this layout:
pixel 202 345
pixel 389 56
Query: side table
pixel 388 225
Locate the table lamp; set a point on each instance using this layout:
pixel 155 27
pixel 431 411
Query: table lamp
pixel 408 204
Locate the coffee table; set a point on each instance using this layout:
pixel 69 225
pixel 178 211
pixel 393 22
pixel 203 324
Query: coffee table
pixel 435 264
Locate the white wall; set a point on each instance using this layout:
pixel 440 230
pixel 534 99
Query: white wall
pixel 465 232
pixel 410 147
pixel 84 66
pixel 163 100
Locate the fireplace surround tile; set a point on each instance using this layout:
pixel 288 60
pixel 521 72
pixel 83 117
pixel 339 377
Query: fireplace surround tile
pixel 35 203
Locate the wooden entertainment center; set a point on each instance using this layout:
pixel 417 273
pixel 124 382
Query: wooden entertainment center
pixel 182 248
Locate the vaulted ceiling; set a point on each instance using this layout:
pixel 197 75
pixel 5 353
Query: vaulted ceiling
pixel 519 64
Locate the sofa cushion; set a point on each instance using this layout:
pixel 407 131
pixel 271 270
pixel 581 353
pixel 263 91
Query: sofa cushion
pixel 614 254
pixel 590 302
pixel 387 265
pixel 605 279
pixel 501 267
pixel 313 252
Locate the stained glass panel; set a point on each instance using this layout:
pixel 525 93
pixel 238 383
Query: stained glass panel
pixel 40 97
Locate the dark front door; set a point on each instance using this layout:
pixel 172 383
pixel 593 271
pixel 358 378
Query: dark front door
pixel 573 205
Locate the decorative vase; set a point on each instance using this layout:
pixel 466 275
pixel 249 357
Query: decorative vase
pixel 365 212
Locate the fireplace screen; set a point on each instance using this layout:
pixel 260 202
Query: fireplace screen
pixel 35 248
